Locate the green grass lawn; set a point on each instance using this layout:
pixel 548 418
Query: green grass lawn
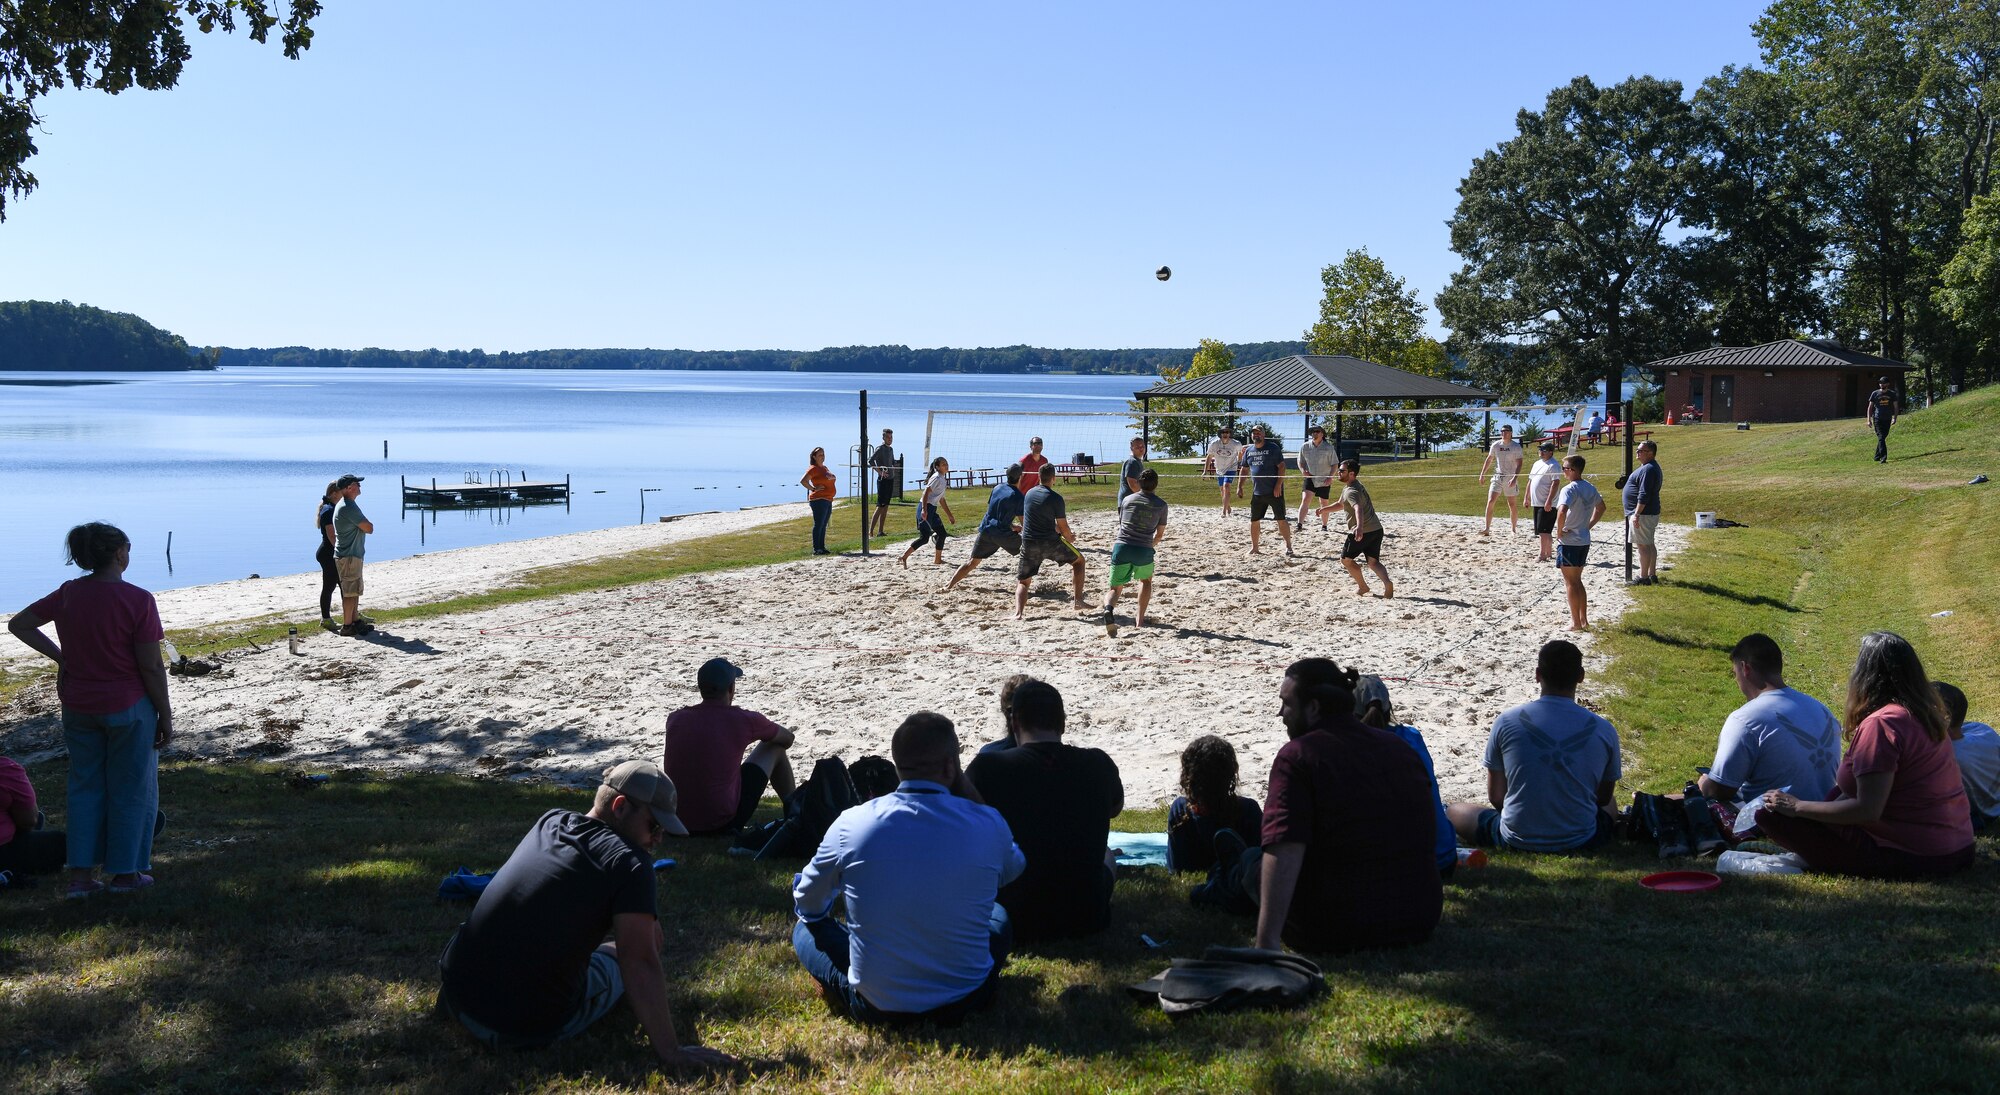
pixel 292 942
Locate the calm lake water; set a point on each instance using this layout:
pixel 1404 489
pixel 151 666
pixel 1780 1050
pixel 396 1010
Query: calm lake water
pixel 232 462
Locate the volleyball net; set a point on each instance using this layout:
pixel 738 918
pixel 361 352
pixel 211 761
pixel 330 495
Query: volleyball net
pixel 979 445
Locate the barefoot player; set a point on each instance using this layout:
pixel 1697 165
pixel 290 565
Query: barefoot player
pixel 1504 457
pixel 1364 530
pixel 1225 461
pixel 1046 537
pixel 1264 462
pixel 1578 509
pixel 1142 524
pixel 1001 527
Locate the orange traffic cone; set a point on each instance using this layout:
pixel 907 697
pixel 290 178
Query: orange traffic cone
pixel 1670 418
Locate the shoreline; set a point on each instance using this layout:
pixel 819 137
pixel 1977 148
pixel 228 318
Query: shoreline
pixel 429 577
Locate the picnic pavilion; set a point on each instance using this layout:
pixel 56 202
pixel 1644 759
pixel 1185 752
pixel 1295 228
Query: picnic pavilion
pixel 1316 380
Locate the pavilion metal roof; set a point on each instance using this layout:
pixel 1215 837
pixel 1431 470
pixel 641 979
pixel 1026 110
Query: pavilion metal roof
pixel 1787 353
pixel 1316 376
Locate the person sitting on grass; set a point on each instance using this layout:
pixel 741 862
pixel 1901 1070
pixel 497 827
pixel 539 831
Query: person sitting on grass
pixel 1781 740
pixel 919 870
pixel 1058 800
pixel 1898 808
pixel 1551 767
pixel 1208 804
pixel 1371 705
pixel 25 847
pixel 1007 689
pixel 720 786
pixel 530 967
pixel 1977 749
pixel 1349 826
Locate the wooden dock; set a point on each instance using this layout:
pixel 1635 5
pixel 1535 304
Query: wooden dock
pixel 508 492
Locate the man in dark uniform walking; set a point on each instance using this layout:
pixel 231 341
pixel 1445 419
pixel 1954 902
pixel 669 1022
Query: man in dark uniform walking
pixel 1882 408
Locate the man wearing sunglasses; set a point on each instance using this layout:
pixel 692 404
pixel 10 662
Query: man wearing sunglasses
pixel 531 966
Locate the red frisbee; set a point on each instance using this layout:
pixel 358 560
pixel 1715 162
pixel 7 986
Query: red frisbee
pixel 1681 881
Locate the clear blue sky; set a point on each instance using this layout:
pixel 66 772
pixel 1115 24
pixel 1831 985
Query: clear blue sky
pixel 512 175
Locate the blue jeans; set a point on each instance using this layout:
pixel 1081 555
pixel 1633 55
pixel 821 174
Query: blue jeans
pixel 114 788
pixel 822 946
pixel 822 513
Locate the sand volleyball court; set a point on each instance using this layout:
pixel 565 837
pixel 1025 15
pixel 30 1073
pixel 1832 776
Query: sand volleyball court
pixel 841 648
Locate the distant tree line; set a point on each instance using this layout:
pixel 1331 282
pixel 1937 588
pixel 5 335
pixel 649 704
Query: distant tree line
pixel 1843 189
pixel 856 359
pixel 60 336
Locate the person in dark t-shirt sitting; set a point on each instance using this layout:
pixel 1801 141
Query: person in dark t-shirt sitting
pixel 1349 827
pixel 531 967
pixel 1059 801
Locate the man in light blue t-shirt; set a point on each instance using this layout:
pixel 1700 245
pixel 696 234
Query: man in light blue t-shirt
pixel 1551 767
pixel 1578 509
pixel 1781 740
pixel 350 543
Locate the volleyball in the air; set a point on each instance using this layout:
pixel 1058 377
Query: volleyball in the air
pixel 1163 273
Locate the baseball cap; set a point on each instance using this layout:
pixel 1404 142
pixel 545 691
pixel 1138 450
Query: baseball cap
pixel 346 481
pixel 1548 446
pixel 1370 689
pixel 1883 380
pixel 716 674
pixel 642 781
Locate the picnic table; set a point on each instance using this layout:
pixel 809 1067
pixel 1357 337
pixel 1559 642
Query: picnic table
pixel 1087 472
pixel 975 477
pixel 1608 437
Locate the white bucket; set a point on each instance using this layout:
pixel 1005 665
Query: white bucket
pixel 1704 519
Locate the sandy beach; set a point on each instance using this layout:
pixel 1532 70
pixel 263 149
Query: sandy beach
pixel 841 648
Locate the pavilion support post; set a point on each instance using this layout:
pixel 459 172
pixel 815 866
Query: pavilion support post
pixel 1486 433
pixel 1339 425
pixel 1232 415
pixel 1420 430
pixel 1146 421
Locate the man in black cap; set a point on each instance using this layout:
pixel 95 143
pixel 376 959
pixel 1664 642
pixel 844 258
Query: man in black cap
pixel 720 786
pixel 531 966
pixel 1881 414
pixel 350 542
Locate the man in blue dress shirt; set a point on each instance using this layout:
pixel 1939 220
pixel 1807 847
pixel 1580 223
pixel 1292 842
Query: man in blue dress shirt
pixel 920 870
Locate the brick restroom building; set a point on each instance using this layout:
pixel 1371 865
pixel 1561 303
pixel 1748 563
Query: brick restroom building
pixel 1792 380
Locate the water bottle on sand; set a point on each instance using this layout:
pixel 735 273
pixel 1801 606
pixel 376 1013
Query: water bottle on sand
pixel 292 637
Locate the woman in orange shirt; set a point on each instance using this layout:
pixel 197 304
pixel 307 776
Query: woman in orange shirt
pixel 819 484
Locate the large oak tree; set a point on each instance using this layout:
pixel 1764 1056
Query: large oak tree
pixel 1573 270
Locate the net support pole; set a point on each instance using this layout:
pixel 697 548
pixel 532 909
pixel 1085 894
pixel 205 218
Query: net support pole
pixel 1630 434
pixel 862 476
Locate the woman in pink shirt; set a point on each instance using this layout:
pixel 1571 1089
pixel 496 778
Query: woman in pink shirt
pixel 1898 808
pixel 116 717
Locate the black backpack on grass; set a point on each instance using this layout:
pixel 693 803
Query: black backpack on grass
pixel 824 796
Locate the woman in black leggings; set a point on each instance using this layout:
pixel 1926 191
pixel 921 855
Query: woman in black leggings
pixel 329 578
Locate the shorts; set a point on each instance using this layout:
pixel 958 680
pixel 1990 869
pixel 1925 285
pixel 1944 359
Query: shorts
pixel 1130 563
pixel 1643 527
pixel 990 542
pixel 1226 478
pixel 885 489
pixel 603 984
pixel 1567 556
pixel 1259 503
pixel 751 782
pixel 1504 484
pixel 1367 544
pixel 1036 552
pixel 349 569
pixel 1489 833
pixel 1322 491
pixel 1545 521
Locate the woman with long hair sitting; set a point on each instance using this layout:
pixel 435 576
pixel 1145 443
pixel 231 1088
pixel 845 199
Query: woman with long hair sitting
pixel 1898 808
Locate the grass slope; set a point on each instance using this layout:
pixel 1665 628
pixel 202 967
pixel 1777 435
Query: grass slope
pixel 292 942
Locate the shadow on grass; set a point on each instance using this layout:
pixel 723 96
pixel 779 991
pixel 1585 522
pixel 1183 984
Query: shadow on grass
pixel 292 943
pixel 1676 640
pixel 1756 599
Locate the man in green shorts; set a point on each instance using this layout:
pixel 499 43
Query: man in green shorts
pixel 1142 524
